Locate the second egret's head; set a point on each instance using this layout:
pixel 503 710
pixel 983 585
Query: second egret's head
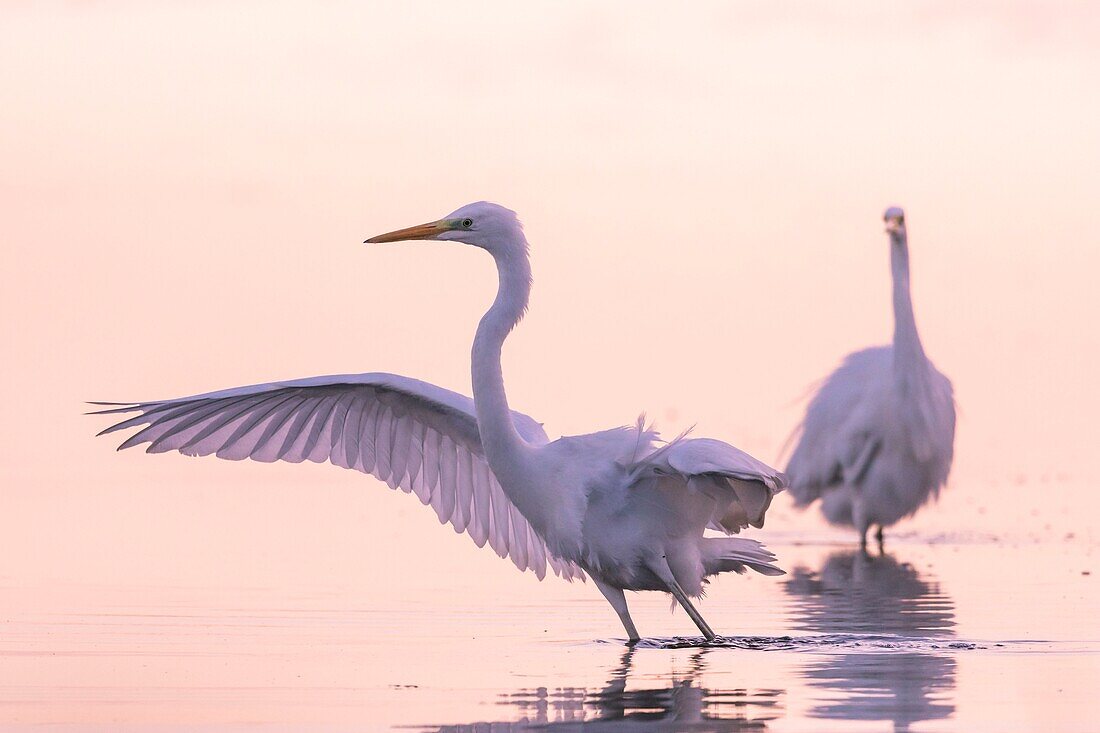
pixel 895 221
pixel 482 224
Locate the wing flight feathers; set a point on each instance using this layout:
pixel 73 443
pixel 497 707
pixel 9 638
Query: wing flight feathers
pixel 414 436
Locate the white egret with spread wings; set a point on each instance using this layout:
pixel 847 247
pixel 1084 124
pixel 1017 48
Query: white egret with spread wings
pixel 878 437
pixel 619 505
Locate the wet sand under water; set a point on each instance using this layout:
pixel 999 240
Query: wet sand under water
pixel 937 634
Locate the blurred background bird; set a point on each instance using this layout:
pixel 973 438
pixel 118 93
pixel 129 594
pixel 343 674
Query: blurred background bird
pixel 878 437
pixel 620 505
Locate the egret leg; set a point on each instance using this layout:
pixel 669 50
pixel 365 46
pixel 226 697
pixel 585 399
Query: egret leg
pixel 695 615
pixel 665 574
pixel 617 599
pixel 878 537
pixel 860 520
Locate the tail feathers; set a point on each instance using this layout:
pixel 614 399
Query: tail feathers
pixel 737 554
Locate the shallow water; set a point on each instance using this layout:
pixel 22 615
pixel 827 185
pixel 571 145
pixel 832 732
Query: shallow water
pixel 935 634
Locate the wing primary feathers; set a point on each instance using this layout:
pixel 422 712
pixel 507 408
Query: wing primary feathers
pixel 195 418
pixel 280 415
pixel 147 407
pixel 339 423
pixel 229 416
pixel 202 409
pixel 368 438
pixel 318 429
pixel 415 458
pixel 412 435
pixel 383 437
pixel 144 417
pixel 298 427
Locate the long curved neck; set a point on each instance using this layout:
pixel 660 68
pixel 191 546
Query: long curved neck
pixel 503 445
pixel 908 352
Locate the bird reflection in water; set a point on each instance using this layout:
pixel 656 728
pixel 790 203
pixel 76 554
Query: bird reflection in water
pixel 681 705
pixel 887 602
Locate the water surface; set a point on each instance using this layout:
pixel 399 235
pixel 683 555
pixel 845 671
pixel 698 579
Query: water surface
pixel 926 636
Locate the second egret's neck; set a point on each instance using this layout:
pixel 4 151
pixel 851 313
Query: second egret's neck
pixel 503 445
pixel 908 351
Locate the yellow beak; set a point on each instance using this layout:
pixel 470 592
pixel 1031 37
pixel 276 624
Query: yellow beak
pixel 420 231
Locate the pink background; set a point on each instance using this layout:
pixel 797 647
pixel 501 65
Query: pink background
pixel 185 187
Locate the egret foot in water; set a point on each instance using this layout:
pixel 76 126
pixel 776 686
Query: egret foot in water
pixel 664 572
pixel 704 627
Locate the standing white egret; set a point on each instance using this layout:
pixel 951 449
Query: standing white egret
pixel 878 437
pixel 627 509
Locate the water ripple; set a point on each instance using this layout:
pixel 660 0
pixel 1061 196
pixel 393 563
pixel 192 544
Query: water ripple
pixel 817 642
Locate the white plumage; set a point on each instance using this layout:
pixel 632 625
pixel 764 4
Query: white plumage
pixel 877 440
pixel 413 435
pixel 618 504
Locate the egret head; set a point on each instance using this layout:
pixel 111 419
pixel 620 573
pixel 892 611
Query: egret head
pixel 482 224
pixel 895 221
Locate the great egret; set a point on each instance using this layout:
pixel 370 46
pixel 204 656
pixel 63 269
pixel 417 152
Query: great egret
pixel 878 437
pixel 618 504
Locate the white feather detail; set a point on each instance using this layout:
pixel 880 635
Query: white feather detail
pixel 412 435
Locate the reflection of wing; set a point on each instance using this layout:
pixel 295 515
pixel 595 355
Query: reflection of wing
pixel 413 435
pixel 834 442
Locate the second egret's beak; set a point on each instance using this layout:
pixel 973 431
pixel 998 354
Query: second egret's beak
pixel 420 231
pixel 893 224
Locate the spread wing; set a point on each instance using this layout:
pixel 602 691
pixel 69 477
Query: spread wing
pixel 413 435
pixel 741 485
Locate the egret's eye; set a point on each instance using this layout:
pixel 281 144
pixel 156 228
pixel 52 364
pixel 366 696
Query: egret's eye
pixel 467 223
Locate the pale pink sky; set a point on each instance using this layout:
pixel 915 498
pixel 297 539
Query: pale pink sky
pixel 185 189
